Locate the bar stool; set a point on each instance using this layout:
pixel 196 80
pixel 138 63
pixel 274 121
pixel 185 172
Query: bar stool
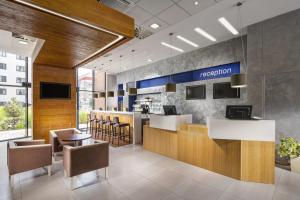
pixel 107 128
pixel 100 123
pixel 90 123
pixel 122 133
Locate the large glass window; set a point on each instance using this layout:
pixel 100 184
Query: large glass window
pixel 15 100
pixel 88 82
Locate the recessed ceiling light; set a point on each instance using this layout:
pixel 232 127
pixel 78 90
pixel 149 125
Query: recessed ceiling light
pixel 155 26
pixel 227 25
pixel 196 3
pixel 149 60
pixel 205 34
pixel 23 42
pixel 187 41
pixel 172 47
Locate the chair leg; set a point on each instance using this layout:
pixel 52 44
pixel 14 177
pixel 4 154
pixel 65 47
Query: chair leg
pixel 106 173
pixel 65 173
pixel 49 170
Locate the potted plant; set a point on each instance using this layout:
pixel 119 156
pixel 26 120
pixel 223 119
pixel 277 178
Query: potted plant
pixel 290 147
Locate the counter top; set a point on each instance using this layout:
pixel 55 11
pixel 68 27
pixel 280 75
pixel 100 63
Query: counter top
pixel 114 112
pixel 249 130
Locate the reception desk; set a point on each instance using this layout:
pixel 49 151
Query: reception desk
pixel 246 160
pixel 169 122
pixel 133 118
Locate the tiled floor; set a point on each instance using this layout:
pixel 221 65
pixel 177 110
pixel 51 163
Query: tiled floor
pixel 138 174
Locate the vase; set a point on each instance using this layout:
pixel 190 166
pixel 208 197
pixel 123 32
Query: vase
pixel 295 165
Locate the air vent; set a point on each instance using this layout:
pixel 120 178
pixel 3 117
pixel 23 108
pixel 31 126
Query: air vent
pixel 142 33
pixel 120 5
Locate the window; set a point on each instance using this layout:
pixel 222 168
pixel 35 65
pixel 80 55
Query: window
pixel 20 57
pixel 20 92
pixel 20 68
pixel 2 91
pixel 20 80
pixel 2 78
pixel 2 66
pixel 2 54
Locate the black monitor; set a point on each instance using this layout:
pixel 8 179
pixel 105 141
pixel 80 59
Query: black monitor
pixel 225 91
pixel 170 110
pixel 242 112
pixel 195 92
pixel 55 90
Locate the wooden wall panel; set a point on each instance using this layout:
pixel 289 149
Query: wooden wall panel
pixel 51 114
pixel 160 141
pixel 258 161
pixel 221 156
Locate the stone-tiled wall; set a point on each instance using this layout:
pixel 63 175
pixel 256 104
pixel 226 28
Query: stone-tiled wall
pixel 222 53
pixel 274 71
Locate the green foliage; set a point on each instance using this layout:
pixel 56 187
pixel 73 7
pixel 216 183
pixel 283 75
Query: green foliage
pixel 289 147
pixel 13 115
pixel 83 116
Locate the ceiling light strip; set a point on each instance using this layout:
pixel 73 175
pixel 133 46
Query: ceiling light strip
pixel 120 37
pixel 187 41
pixel 205 34
pixel 172 47
pixel 227 25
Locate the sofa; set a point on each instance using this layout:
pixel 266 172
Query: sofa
pixel 28 155
pixel 57 146
pixel 82 159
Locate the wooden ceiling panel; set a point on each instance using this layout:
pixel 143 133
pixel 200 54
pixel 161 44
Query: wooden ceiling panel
pixel 67 43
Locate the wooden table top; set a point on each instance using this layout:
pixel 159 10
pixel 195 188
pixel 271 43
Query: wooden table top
pixel 74 137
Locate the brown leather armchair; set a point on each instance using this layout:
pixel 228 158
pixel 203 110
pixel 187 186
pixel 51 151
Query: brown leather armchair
pixel 57 146
pixel 27 155
pixel 78 160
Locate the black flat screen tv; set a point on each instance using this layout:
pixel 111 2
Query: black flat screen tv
pixel 55 90
pixel 224 91
pixel 170 110
pixel 195 92
pixel 242 112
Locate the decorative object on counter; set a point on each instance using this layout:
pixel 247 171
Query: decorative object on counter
pixel 290 147
pixel 110 94
pixel 95 95
pixel 102 94
pixel 132 91
pixel 240 80
pixel 121 93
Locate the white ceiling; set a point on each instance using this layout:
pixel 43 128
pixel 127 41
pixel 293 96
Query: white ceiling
pixel 181 17
pixel 10 44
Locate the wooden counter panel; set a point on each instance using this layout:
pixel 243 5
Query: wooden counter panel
pixel 258 161
pixel 160 141
pixel 221 156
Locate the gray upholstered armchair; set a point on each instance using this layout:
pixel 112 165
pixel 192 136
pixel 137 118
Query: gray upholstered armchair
pixel 78 160
pixel 27 155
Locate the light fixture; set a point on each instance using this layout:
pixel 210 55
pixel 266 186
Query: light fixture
pixel 149 60
pixel 227 25
pixel 196 3
pixel 132 91
pixel 187 41
pixel 238 81
pixel 23 42
pixel 155 26
pixel 170 87
pixel 121 93
pixel 110 94
pixel 172 47
pixel 95 95
pixel 102 94
pixel 205 34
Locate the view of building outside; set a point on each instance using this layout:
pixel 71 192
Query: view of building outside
pixel 89 82
pixel 14 97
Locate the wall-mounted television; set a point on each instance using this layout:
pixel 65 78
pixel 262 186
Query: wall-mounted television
pixel 50 90
pixel 224 91
pixel 195 92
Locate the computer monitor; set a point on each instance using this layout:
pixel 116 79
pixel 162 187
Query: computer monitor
pixel 170 110
pixel 242 112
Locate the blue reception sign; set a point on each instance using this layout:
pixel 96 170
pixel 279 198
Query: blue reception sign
pixel 221 71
